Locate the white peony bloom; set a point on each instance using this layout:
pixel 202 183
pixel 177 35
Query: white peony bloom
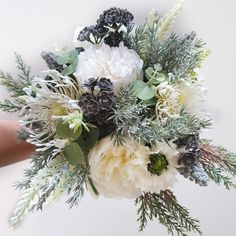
pixel 121 171
pixel 120 64
pixel 192 94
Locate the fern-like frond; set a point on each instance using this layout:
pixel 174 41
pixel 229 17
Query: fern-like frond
pixel 170 213
pixel 219 164
pixel 45 186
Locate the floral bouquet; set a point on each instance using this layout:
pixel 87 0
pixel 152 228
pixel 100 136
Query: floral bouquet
pixel 120 116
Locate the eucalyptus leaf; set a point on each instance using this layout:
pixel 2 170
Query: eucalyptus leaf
pixel 64 131
pixel 88 139
pixel 74 154
pixel 68 70
pixel 139 85
pixel 150 102
pixel 62 60
pixel 158 78
pixel 73 55
pixel 147 93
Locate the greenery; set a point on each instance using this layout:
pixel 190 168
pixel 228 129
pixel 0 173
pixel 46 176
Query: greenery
pixel 178 55
pixel 45 184
pixel 219 164
pixel 69 60
pixel 169 212
pixel 134 119
pixel 15 86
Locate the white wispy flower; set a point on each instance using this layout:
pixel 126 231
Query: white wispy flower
pixel 171 97
pixel 168 104
pixel 120 64
pixel 46 99
pixel 121 171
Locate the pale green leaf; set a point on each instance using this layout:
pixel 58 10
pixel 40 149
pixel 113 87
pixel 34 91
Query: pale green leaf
pixel 74 154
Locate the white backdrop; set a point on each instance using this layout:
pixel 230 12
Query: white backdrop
pixel 29 26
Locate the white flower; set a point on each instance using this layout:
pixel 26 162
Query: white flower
pixel 120 64
pixel 45 100
pixel 167 101
pixel 192 94
pixel 171 97
pixel 121 171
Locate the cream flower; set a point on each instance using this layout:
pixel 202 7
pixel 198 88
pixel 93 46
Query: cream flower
pixel 168 104
pixel 192 94
pixel 120 64
pixel 121 171
pixel 185 92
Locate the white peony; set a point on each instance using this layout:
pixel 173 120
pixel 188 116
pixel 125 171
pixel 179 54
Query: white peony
pixel 120 64
pixel 121 171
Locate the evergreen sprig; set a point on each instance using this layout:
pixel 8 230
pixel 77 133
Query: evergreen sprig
pixel 133 119
pixel 219 164
pixel 10 106
pixel 15 86
pixel 170 213
pixel 76 181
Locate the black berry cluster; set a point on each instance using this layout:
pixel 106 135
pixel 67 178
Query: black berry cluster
pixel 192 148
pixel 98 108
pixel 107 28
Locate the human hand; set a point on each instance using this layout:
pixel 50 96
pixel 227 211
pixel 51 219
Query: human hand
pixel 11 150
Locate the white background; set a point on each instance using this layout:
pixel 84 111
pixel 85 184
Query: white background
pixel 28 26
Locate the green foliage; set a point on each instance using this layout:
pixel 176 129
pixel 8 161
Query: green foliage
pixel 154 74
pixel 69 60
pixel 74 154
pixel 179 55
pixel 219 164
pixel 46 183
pixel 88 139
pixel 218 176
pixel 143 90
pixel 15 86
pixel 135 120
pixel 170 213
pixel 11 106
pixel 64 131
pixel 76 183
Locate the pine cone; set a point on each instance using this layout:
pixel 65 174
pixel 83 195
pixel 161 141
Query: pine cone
pixel 89 105
pixel 98 108
pixel 106 100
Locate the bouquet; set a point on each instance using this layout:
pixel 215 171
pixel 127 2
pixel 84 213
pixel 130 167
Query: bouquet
pixel 121 116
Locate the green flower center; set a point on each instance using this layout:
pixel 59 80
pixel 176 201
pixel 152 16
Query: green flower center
pixel 158 164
